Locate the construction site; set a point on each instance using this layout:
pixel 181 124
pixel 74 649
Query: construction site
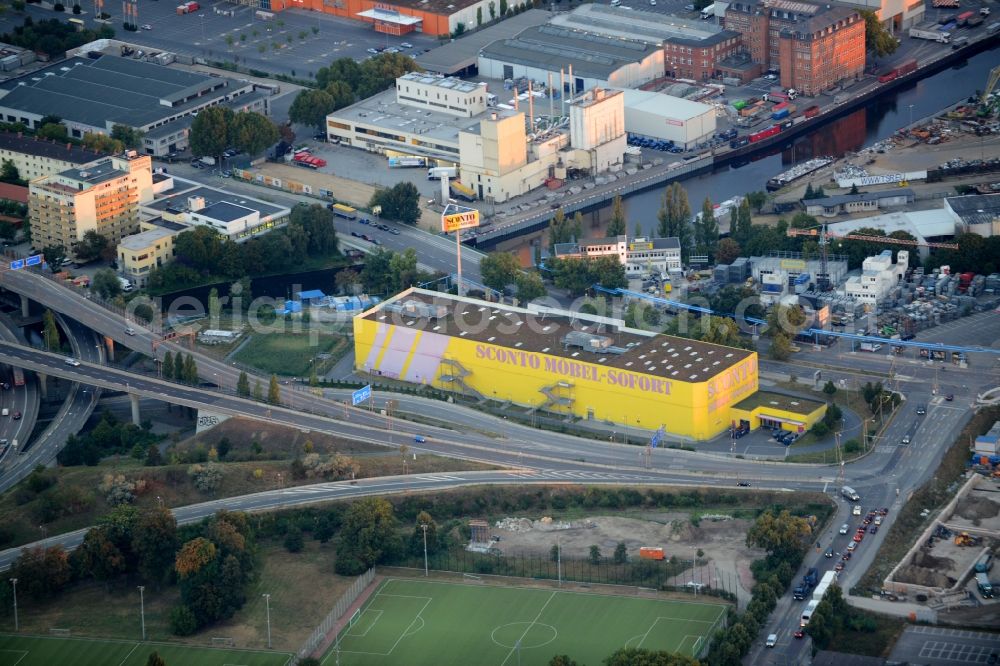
pixel 941 568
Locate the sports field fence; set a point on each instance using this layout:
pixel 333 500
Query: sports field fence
pixel 324 628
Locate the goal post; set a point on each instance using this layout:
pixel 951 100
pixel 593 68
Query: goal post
pixel 223 641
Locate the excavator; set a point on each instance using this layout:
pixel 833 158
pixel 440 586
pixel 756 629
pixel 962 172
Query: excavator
pixel 965 539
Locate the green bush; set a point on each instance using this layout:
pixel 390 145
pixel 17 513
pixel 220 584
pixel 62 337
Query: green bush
pixel 182 621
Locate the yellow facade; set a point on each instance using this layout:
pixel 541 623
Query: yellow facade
pixel 566 384
pixel 788 413
pixel 140 253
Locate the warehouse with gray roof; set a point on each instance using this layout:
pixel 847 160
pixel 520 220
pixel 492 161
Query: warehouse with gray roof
pixel 92 95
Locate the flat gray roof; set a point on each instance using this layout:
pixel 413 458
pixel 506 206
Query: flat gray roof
pixel 177 199
pixel 553 48
pixel 650 27
pixel 462 53
pixel 142 240
pixel 225 211
pixel 111 90
pixel 976 208
pixel 94 173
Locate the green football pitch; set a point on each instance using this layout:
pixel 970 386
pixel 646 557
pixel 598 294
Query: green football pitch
pixel 427 623
pixel 52 651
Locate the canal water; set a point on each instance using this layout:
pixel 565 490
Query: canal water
pixel 865 126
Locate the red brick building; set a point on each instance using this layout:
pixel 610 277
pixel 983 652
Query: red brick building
pixel 698 59
pixel 813 46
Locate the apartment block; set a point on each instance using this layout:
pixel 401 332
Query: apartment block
pixel 36 157
pixel 102 196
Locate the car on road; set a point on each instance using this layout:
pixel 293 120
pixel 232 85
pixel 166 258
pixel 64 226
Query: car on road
pixel 743 484
pixel 146 26
pixel 851 546
pixel 839 566
pixel 689 8
pixel 6 386
pixel 873 529
pixel 844 528
pixel 771 77
pixel 801 632
pixel 73 362
pixel 950 397
pixel 856 510
pixel 419 439
pixel 906 439
pixel 16 415
pixel 392 49
pixel 129 331
pixel 846 556
pixel 394 231
pixel 772 640
pixel 878 520
pixel 372 51
pixel 227 174
pixel 828 553
pixel 406 45
pixel 921 410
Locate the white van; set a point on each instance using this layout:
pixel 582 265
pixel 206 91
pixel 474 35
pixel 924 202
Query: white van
pixel 708 12
pixel 6 412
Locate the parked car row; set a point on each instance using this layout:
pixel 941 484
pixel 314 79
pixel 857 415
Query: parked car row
pixel 655 144
pixel 786 437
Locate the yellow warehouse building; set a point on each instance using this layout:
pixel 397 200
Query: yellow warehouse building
pixel 589 366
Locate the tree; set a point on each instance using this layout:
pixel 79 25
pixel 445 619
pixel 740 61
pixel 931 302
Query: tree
pixel 479 15
pixel 99 556
pixel 311 107
pixel 343 70
pixel 877 37
pixel 595 554
pixel 560 229
pixel 106 283
pixel 91 247
pixel 56 131
pixel 51 331
pixel 757 199
pixel 102 143
pixel 274 391
pixel 128 136
pixel 727 251
pixel 503 8
pixel 787 319
pixel 617 225
pixel 781 346
pixel 154 543
pixel 10 174
pixel 780 534
pixel 190 370
pixel 529 286
pixel 400 202
pixel 347 281
pixel 193 556
pixel 7 230
pixel 499 269
pixel 829 388
pixel 42 572
pixel 167 368
pixel 54 255
pixel 368 536
pixel 294 542
pixel 561 660
pixel 621 553
pixel 675 217
pixel 156 660
pixel 643 657
pixel 742 222
pixel 706 229
pixel 253 133
pixel 493 10
pixel 210 131
pixel 258 391
pixel 554 552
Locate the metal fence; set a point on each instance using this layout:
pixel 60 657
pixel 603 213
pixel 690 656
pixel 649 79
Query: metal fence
pixel 339 609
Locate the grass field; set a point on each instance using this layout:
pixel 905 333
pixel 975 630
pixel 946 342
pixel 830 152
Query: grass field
pixel 428 623
pixel 290 354
pixel 47 651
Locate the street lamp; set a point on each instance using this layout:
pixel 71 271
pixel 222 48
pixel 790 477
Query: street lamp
pixel 911 118
pixel 142 609
pixel 267 604
pixel 13 581
pixel 423 526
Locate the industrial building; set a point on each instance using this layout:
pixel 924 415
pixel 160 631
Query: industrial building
pixel 658 116
pixel 921 224
pixel 102 196
pixel 399 17
pixel 842 204
pixel 792 266
pixel 641 256
pixel 583 59
pixel 499 156
pixel 236 217
pixel 692 48
pixel 878 277
pixel 896 15
pixel 975 213
pixel 93 95
pixel 813 46
pixel 35 157
pixel 566 362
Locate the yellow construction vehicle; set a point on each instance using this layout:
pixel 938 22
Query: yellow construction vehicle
pixel 963 539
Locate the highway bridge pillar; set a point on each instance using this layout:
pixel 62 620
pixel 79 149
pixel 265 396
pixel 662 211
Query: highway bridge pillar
pixel 43 384
pixel 109 346
pixel 25 306
pixel 134 399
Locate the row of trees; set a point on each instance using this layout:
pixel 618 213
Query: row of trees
pixel 578 275
pixel 344 81
pixel 53 37
pixel 387 272
pixel 218 128
pixel 502 270
pixel 179 368
pixel 202 253
pixel 109 436
pixel 633 657
pixel 401 202
pixel 273 389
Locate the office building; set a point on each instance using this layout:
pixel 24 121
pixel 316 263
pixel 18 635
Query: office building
pixel 36 157
pixel 641 256
pixel 140 253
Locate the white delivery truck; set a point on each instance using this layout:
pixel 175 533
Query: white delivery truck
pixel 437 173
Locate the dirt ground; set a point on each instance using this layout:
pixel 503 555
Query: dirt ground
pixel 723 541
pixel 979 509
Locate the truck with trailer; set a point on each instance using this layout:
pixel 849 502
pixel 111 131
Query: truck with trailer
pixel 962 18
pixel 850 494
pixel 829 578
pixel 932 35
pixel 974 22
pixel 407 162
pixel 984 563
pixel 807 584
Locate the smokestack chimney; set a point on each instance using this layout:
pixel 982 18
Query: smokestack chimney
pixel 531 108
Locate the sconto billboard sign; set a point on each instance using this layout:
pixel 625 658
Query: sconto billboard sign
pixel 456 221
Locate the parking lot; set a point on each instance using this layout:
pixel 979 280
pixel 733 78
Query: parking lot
pixel 294 42
pixel 934 646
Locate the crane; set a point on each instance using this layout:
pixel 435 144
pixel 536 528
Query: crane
pixel 823 280
pixel 991 83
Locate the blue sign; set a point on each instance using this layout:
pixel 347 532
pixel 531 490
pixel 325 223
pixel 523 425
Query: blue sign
pixel 362 394
pixel 17 264
pixel 33 260
pixel 658 437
